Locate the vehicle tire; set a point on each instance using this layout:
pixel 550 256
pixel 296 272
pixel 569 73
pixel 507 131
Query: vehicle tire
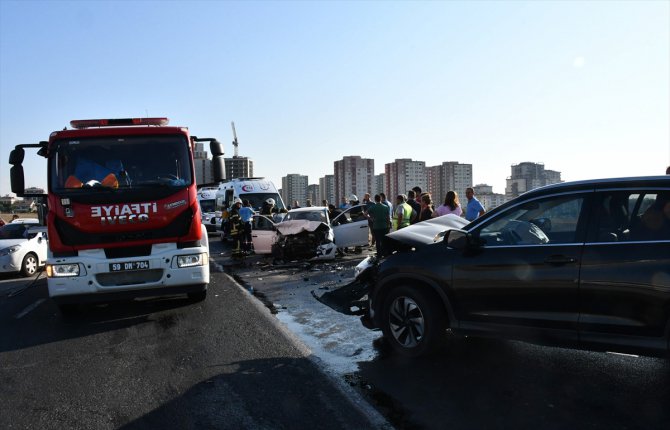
pixel 413 321
pixel 29 265
pixel 198 296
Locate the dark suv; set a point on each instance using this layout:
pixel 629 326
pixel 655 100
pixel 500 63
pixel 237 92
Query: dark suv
pixel 581 264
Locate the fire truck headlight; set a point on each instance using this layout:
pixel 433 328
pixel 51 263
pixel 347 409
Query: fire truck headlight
pixel 62 270
pixel 191 260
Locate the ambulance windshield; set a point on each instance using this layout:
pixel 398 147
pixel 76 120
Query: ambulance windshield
pixel 208 205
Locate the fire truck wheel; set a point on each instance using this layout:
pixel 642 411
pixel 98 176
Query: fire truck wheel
pixel 197 297
pixel 29 265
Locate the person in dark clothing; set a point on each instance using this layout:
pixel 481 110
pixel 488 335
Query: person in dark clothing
pixel 236 227
pixel 333 212
pixel 655 221
pixel 381 223
pixel 426 208
pixel 411 200
pixel 357 212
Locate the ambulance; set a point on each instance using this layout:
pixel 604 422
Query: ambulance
pixel 256 190
pixel 209 215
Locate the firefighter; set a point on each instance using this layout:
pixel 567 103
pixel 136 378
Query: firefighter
pixel 236 227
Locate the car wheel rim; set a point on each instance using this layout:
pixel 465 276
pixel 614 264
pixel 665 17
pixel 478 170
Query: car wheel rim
pixel 406 322
pixel 31 266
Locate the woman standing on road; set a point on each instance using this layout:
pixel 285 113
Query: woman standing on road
pixel 451 205
pixel 426 208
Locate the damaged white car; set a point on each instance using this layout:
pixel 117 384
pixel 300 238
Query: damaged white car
pixel 309 233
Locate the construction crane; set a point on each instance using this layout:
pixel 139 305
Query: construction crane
pixel 235 143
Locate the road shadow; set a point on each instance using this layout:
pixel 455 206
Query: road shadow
pixel 490 384
pixel 47 324
pixel 274 393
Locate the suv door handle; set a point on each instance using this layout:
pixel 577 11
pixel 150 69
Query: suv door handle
pixel 560 259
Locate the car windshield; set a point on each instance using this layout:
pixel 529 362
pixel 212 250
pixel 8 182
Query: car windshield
pixel 316 215
pixel 117 162
pixel 13 231
pixel 256 200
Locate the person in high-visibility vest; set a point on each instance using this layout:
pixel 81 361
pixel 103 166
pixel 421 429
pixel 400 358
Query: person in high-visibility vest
pixel 403 212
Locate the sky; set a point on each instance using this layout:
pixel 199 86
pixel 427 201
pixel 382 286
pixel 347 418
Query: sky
pixel 580 86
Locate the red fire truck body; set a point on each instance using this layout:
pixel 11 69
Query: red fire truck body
pixel 123 218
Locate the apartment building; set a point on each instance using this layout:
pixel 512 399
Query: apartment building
pixel 448 176
pixel 403 175
pixel 327 189
pixel 353 175
pixel 486 196
pixel 527 176
pixel 239 167
pixel 294 187
pixel 202 164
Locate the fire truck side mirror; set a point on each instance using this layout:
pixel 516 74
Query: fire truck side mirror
pixel 16 156
pixel 218 168
pixel 215 147
pixel 16 178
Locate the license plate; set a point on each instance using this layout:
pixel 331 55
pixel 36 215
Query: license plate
pixel 129 265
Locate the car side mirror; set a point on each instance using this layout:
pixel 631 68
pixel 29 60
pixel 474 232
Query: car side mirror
pixel 458 239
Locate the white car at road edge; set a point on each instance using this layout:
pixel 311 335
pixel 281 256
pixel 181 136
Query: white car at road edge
pixel 23 247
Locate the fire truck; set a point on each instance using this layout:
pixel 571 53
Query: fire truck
pixel 122 214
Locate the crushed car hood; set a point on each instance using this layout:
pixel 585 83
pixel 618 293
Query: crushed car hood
pixel 304 239
pixel 349 299
pixel 424 232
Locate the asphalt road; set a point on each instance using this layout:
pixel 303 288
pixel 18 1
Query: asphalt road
pixel 470 383
pixel 226 363
pixel 162 363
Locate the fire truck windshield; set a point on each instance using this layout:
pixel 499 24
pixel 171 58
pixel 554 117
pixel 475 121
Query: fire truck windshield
pixel 120 162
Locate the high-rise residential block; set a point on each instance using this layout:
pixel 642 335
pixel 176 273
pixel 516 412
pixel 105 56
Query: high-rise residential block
pixel 294 188
pixel 202 164
pixel 239 167
pixel 527 176
pixel 353 175
pixel 327 189
pixel 403 175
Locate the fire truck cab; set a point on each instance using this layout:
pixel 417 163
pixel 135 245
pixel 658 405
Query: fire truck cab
pixel 122 213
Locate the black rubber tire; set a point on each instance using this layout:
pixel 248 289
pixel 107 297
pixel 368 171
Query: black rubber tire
pixel 412 320
pixel 29 265
pixel 198 297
